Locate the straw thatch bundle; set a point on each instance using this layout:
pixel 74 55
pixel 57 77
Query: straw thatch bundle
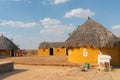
pixel 92 34
pixel 6 44
pixel 52 45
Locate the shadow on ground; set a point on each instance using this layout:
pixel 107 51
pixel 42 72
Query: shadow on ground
pixel 11 73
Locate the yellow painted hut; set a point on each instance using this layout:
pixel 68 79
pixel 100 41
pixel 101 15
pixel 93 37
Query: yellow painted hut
pixel 91 39
pixel 7 47
pixel 52 48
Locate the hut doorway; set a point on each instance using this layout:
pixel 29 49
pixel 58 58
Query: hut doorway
pixel 66 51
pixel 12 53
pixel 51 51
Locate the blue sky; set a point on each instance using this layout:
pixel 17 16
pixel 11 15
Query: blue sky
pixel 30 22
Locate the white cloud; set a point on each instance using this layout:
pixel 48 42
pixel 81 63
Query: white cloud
pixel 53 2
pixel 60 1
pixel 55 27
pixel 49 21
pixel 80 13
pixel 116 27
pixel 18 24
pixel 55 30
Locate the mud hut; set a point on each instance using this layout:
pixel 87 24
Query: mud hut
pixel 52 48
pixel 91 39
pixel 7 47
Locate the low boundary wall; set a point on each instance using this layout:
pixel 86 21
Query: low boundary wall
pixel 6 66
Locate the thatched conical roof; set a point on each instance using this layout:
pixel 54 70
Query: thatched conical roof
pixel 6 44
pixel 92 34
pixel 52 45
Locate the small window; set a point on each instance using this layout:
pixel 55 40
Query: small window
pixel 58 50
pixel 44 50
pixel 85 53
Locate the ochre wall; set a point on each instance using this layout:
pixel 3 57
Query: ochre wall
pixel 114 53
pixel 59 51
pixel 4 53
pixel 43 52
pixel 77 55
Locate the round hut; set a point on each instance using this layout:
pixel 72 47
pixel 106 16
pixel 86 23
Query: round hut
pixel 52 48
pixel 91 39
pixel 7 47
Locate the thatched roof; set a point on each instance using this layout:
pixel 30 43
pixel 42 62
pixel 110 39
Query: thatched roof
pixel 6 44
pixel 52 45
pixel 92 34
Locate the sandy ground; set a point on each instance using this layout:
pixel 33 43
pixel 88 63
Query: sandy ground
pixel 37 71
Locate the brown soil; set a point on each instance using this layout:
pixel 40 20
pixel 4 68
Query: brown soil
pixel 37 60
